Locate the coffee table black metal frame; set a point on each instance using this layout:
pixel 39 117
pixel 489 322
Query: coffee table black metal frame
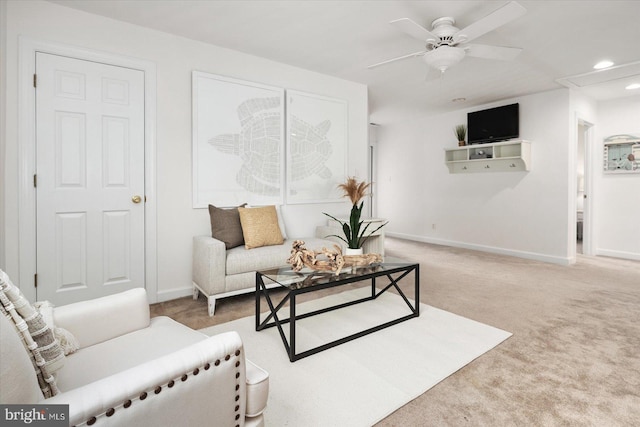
pixel 301 283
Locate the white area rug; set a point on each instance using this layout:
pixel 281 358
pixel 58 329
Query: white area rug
pixel 360 382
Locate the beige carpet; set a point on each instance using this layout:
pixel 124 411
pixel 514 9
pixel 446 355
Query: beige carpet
pixel 573 359
pixel 362 381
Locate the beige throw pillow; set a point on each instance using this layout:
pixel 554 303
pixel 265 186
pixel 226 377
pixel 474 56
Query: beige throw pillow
pixel 260 227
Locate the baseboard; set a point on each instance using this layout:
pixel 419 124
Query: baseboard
pixel 618 254
pixel 174 294
pixel 491 249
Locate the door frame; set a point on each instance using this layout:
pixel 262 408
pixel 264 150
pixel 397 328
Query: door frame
pixel 587 220
pixel 27 49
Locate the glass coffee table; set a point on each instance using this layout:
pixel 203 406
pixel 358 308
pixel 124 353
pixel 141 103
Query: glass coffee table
pixel 297 283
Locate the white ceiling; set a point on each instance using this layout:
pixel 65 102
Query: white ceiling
pixel 341 38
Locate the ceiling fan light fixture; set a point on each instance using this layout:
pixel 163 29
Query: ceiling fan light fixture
pixel 444 57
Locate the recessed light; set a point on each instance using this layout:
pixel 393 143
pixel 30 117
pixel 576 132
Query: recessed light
pixel 602 64
pixel 458 99
pixel 633 86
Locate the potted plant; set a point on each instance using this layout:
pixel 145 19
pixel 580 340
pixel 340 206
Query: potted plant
pixel 354 233
pixel 461 133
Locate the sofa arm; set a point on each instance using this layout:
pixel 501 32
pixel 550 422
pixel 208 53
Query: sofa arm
pixel 203 384
pixel 209 264
pixel 328 233
pixel 102 319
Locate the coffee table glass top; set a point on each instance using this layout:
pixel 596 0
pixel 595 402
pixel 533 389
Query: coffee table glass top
pixel 306 278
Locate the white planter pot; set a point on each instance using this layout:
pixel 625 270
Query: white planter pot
pixel 350 251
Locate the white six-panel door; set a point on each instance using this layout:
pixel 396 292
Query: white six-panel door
pixel 90 179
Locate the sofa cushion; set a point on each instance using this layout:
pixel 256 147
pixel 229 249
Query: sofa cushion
pixel 260 227
pixel 225 226
pixel 241 260
pixel 18 384
pixel 162 337
pixel 257 389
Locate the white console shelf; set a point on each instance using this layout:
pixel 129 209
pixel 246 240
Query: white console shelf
pixel 508 156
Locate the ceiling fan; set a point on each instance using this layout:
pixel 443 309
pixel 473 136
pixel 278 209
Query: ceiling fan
pixel 447 45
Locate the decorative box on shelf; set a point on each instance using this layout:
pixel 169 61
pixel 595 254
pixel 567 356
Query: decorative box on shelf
pixel 508 156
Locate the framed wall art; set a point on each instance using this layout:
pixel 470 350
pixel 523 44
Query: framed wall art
pixel 622 154
pixel 238 142
pixel 317 138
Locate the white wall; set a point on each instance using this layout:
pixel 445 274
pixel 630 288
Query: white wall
pixel 518 213
pixel 3 110
pixel 617 197
pixel 175 58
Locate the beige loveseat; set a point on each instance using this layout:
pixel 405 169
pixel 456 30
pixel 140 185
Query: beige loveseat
pixel 131 370
pixel 219 272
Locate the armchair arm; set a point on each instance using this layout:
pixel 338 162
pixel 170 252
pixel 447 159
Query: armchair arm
pixel 104 318
pixel 209 264
pixel 203 384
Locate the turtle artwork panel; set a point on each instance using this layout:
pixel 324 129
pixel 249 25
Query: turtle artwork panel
pixel 257 145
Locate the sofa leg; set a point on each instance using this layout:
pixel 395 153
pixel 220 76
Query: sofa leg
pixel 211 302
pixel 195 293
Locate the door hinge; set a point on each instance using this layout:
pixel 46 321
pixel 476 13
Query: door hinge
pixel 35 280
pixel 35 180
pixel 35 80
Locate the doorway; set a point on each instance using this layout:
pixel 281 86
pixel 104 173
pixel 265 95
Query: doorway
pixel 584 136
pixel 28 165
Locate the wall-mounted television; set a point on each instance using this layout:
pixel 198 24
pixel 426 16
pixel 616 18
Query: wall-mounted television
pixel 493 125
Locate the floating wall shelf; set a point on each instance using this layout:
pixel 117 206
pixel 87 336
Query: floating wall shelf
pixel 509 156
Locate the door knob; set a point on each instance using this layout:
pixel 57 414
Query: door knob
pixel 136 199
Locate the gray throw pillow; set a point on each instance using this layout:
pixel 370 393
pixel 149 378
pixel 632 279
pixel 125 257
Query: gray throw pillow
pixel 226 227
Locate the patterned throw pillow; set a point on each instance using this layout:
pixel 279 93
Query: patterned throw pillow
pixel 260 227
pixel 37 337
pixel 225 226
pixel 68 342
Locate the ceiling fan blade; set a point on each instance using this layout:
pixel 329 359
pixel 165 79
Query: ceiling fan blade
pixel 413 29
pixel 506 13
pixel 492 52
pixel 411 55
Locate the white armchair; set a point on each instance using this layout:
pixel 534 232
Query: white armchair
pixel 133 370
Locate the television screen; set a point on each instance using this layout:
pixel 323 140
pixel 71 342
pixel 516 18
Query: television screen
pixel 494 124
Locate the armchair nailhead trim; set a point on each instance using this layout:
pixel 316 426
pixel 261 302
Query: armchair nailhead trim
pixel 127 403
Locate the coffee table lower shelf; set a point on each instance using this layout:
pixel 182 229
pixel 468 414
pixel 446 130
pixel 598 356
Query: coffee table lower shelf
pixel 273 320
